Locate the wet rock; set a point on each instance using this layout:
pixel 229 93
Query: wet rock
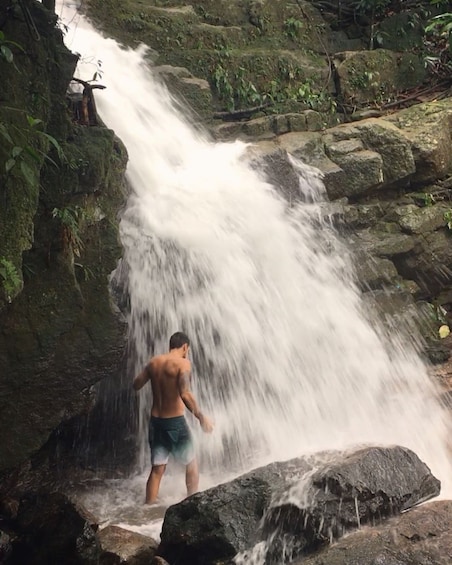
pixel 419 537
pixel 309 148
pixel 191 91
pixel 363 487
pixel 224 520
pixel 310 499
pixel 430 263
pixel 362 216
pixel 384 244
pixel 396 307
pixel 373 272
pixel 123 547
pixel 277 167
pixel 50 528
pixel 5 547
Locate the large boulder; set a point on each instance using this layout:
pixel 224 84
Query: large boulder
pixel 50 528
pixel 124 547
pixel 360 488
pixel 355 159
pixel 365 76
pixel 422 536
pixel 307 501
pixel 224 520
pixel 345 145
pixel 428 127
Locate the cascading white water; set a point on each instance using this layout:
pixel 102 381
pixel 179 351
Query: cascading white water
pixel 285 359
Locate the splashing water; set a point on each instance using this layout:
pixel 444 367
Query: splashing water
pixel 285 360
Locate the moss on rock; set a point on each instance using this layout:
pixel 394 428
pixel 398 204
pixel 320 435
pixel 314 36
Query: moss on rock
pixel 58 227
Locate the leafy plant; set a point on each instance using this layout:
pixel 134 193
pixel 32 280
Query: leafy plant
pixel 442 26
pixel 292 26
pixel 428 199
pixel 234 88
pixel 71 219
pixel 19 152
pixel 11 280
pixel 5 48
pixel 448 218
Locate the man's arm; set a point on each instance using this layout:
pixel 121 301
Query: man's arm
pixel 142 378
pixel 189 400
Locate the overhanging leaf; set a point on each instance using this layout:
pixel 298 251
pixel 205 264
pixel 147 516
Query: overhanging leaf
pixel 9 164
pixel 32 122
pixel 7 53
pixel 5 134
pixel 27 173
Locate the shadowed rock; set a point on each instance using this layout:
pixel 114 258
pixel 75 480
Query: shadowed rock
pixel 421 536
pixel 359 488
pixel 123 547
pixel 304 502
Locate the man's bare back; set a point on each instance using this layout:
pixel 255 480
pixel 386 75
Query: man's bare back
pixel 165 374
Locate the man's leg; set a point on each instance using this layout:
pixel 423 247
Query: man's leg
pixel 192 477
pixel 153 483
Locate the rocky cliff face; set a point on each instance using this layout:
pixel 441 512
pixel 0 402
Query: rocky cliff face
pixel 61 186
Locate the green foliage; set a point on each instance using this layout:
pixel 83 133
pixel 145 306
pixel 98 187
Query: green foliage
pixel 234 89
pixel 374 7
pixel 71 219
pixel 10 278
pixel 448 218
pixel 21 154
pixel 5 48
pixel 363 80
pixel 428 199
pixel 237 91
pixel 292 27
pixel 441 26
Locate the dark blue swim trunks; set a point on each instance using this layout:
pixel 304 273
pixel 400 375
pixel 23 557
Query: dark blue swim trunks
pixel 170 436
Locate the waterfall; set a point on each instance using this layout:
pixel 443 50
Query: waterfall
pixel 285 359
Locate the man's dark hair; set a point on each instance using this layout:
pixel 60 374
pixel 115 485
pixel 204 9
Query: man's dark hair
pixel 177 340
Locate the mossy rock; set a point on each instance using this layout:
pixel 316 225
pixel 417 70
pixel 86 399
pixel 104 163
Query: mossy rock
pixel 244 78
pixel 193 93
pixel 248 51
pixel 428 128
pixel 60 334
pixel 366 76
pixel 415 220
pixel 33 91
pixel 380 137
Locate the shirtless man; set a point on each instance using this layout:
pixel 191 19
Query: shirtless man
pixel 168 430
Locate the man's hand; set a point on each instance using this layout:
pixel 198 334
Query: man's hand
pixel 206 424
